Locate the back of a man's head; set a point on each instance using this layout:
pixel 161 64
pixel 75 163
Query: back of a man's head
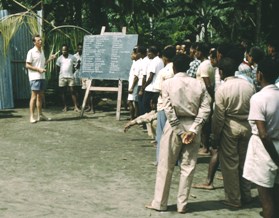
pixel 169 52
pixel 228 66
pixel 257 54
pixel 269 69
pixel 181 63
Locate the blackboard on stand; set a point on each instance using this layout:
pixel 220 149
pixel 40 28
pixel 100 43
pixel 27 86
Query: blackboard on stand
pixel 107 57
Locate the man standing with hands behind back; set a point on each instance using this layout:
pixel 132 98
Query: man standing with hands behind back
pixel 187 106
pixel 35 63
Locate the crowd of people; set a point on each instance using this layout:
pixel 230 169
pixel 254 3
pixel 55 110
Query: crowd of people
pixel 220 100
pixel 194 99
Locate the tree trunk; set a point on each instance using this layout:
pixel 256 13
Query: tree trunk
pixel 258 21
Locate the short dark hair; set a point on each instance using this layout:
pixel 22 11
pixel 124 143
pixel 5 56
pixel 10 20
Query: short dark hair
pixel 213 53
pixel 169 52
pixel 153 49
pixel 257 54
pixel 35 36
pixel 64 45
pixel 181 62
pixel 203 48
pixel 141 49
pixel 228 66
pixel 269 69
pixel 274 44
pixel 236 53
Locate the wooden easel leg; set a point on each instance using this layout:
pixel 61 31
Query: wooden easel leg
pixel 119 96
pixel 88 86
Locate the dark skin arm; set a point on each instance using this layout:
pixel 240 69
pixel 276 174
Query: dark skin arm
pixel 208 86
pixel 135 81
pixel 267 142
pixel 149 80
pixel 143 84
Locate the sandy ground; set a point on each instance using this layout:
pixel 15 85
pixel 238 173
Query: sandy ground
pixel 87 167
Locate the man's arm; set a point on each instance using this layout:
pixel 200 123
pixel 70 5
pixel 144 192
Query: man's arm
pixel 267 142
pixel 143 85
pixel 218 117
pixel 170 111
pixel 29 66
pixel 149 80
pixel 209 86
pixel 145 118
pixel 135 81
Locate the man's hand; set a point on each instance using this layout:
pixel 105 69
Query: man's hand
pixel 130 91
pixel 140 93
pixel 127 126
pixel 188 137
pixel 41 70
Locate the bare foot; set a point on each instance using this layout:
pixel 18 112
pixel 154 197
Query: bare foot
pixel 76 109
pixel 203 152
pixel 203 186
pixel 32 120
pixel 65 109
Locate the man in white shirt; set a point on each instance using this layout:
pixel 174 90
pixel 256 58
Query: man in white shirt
pixel 262 160
pixel 164 74
pixel 133 83
pixel 155 65
pixel 35 63
pixel 142 77
pixel 65 67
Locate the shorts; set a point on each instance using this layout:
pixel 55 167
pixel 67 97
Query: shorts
pixel 38 85
pixel 134 95
pixel 63 82
pixel 259 167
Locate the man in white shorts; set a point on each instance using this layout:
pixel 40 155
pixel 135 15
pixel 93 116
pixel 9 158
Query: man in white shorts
pixel 65 67
pixel 262 159
pixel 133 83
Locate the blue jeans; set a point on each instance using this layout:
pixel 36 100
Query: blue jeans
pixel 161 121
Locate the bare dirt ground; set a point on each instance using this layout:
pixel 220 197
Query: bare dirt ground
pixel 87 167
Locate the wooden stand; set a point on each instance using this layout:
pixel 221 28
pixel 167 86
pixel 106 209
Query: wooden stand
pixel 118 89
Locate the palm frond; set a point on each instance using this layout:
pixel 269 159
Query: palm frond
pixel 66 34
pixel 11 23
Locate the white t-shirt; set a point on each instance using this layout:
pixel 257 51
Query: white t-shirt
pixel 164 74
pixel 66 66
pixel 205 69
pixel 143 69
pixel 37 59
pixel 134 71
pixel 264 106
pixel 156 64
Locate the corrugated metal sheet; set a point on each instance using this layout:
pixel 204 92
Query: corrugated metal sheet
pixel 6 90
pixel 20 44
pixel 14 83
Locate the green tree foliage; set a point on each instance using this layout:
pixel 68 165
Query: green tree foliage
pixel 163 21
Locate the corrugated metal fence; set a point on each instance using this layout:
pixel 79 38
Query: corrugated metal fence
pixel 14 84
pixel 19 46
pixel 6 90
